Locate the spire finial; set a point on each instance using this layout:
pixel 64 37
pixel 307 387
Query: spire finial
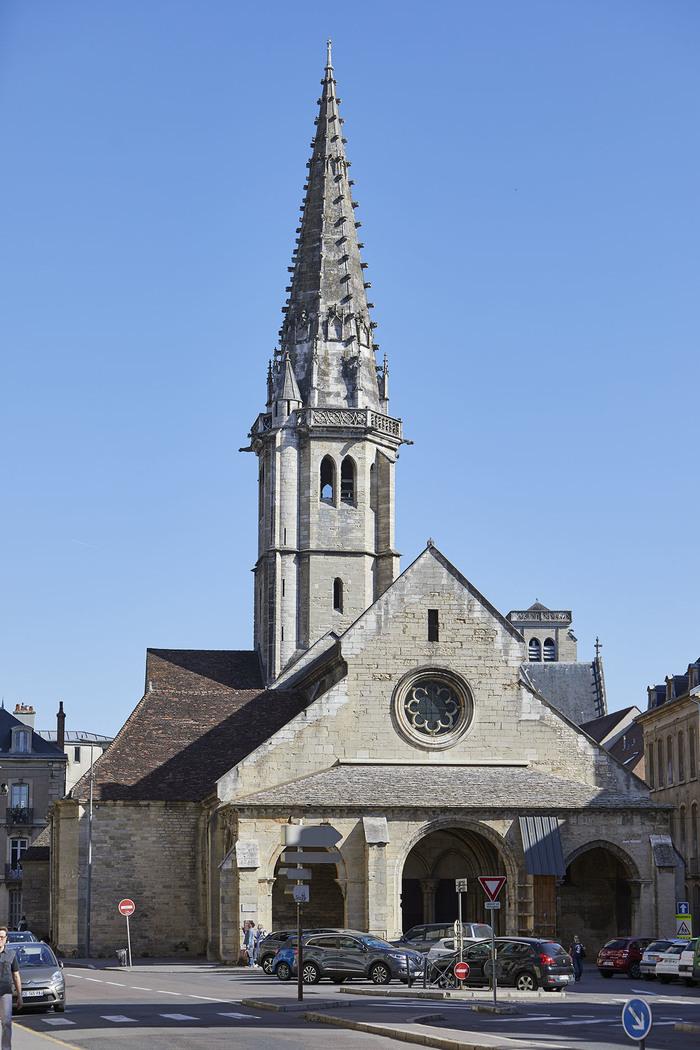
pixel 329 55
pixel 598 647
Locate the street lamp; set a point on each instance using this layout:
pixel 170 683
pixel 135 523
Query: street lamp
pixel 88 894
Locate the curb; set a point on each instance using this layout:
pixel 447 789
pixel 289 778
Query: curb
pixel 293 1005
pixel 400 1034
pixel 455 995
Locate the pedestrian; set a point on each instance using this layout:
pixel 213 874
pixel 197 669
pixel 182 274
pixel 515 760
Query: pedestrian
pixel 23 924
pixel 578 954
pixel 9 975
pixel 260 935
pixel 249 942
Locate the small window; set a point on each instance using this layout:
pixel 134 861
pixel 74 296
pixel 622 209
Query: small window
pixel 692 760
pixel 19 796
pixel 681 757
pixel 327 493
pixel 18 847
pixel 534 652
pixel 22 740
pixel 347 480
pixel 650 767
pixel 338 595
pixel 694 829
pixel 660 761
pixel 550 653
pixel 76 754
pixel 433 625
pixel 682 830
pixel 669 760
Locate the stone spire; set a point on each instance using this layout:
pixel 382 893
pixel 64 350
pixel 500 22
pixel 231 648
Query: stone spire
pixel 327 330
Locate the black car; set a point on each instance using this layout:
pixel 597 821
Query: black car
pixel 270 945
pixel 346 954
pixel 525 963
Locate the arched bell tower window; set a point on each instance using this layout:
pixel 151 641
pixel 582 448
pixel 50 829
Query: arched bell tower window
pixel 549 650
pixel 327 486
pixel 337 595
pixel 347 480
pixel 534 652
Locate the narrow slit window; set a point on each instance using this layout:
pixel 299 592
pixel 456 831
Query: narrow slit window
pixel 534 652
pixel 338 595
pixel 347 480
pixel 681 757
pixel 549 650
pixel 327 493
pixel 433 625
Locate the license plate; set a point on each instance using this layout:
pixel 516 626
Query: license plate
pixel 32 993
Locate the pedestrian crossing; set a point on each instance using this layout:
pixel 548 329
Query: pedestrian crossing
pixel 67 1022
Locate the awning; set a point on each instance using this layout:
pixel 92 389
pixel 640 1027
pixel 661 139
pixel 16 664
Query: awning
pixel 542 846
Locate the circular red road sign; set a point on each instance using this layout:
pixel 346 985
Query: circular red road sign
pixel 461 971
pixel 126 907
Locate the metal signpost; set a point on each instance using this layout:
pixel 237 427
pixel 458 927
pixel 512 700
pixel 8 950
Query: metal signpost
pixel 492 886
pixel 127 908
pixel 637 1020
pixel 460 887
pixel 305 837
pixel 684 921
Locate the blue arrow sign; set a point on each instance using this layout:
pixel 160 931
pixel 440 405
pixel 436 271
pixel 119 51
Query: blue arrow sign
pixel 682 908
pixel 636 1018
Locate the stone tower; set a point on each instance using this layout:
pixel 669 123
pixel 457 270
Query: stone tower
pixel 326 446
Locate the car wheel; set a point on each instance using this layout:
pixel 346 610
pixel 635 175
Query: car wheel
pixel 266 963
pixel 646 976
pixel 634 971
pixel 310 973
pixel 284 971
pixel 605 973
pixel 380 974
pixel 689 982
pixel 60 1008
pixel 665 979
pixel 526 981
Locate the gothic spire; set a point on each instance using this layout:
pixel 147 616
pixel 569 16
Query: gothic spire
pixel 327 329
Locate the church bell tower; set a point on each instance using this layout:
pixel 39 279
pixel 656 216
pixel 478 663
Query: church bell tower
pixel 326 445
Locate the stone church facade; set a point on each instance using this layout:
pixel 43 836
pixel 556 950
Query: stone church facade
pixel 401 708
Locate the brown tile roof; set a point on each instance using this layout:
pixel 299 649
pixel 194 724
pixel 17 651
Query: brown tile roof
pixel 204 711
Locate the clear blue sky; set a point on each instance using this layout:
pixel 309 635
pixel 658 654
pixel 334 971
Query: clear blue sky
pixel 528 181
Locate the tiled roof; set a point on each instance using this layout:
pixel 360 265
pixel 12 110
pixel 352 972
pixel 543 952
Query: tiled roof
pixel 203 712
pixel 575 689
pixel 357 785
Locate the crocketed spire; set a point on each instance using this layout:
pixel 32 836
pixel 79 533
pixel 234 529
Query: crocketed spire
pixel 327 329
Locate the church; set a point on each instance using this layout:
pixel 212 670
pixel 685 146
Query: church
pixel 440 737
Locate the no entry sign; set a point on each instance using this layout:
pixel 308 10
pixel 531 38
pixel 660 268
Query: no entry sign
pixel 461 971
pixel 126 907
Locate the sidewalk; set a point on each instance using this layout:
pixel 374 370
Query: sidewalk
pixel 25 1039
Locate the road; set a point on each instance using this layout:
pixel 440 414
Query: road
pixel 183 1006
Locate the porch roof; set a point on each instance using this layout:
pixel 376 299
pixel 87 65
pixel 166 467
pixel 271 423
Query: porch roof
pixel 381 786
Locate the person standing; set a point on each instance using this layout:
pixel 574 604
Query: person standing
pixel 250 943
pixel 260 935
pixel 577 953
pixel 9 976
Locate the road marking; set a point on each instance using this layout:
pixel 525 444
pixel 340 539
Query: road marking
pixel 136 988
pixel 117 984
pixel 117 1018
pixel 95 980
pixel 211 998
pixel 596 1020
pixel 164 991
pixel 178 1017
pixel 57 1020
pixel 242 1017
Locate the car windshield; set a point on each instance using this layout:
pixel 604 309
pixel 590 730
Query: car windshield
pixel 35 955
pixel 20 935
pixel 481 930
pixel 675 949
pixel 616 945
pixel 552 948
pixel 657 946
pixel 377 942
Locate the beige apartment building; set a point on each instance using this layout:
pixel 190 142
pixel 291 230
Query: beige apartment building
pixel 671 726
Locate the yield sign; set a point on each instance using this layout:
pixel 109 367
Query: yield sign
pixel 492 885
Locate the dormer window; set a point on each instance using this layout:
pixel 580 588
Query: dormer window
pixel 21 740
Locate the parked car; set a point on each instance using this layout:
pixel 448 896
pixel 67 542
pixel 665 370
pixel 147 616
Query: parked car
pixel 526 963
pixel 270 945
pixel 650 957
pixel 622 955
pixel 21 937
pixel 423 937
pixel 43 983
pixel 669 961
pixel 687 961
pixel 449 945
pixel 346 954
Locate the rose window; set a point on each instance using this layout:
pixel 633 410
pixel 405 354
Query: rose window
pixel 433 708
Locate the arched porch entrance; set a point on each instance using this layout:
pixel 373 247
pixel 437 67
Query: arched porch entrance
pixel 428 879
pixel 326 905
pixel 599 896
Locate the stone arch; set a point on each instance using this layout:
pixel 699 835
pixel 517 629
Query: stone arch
pixel 599 894
pixel 474 847
pixel 327 904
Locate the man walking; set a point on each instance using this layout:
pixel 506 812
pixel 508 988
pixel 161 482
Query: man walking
pixel 577 952
pixel 9 975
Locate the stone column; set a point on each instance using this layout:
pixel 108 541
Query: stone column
pixel 376 882
pixel 229 923
pixel 428 886
pixel 265 903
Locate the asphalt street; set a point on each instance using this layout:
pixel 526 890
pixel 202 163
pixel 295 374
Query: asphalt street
pixel 183 1006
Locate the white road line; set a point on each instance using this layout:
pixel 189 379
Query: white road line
pixel 164 991
pixel 117 1018
pixel 178 1017
pixel 96 980
pixel 242 1017
pixel 136 988
pixel 211 998
pixel 596 1020
pixel 117 984
pixel 57 1020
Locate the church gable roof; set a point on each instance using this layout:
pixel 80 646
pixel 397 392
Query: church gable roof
pixel 575 689
pixel 203 711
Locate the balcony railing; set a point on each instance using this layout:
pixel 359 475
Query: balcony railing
pixel 19 815
pixel 13 874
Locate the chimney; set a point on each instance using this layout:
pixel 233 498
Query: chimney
pixel 60 726
pixel 25 713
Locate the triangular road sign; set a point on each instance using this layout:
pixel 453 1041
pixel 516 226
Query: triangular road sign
pixel 683 929
pixel 492 885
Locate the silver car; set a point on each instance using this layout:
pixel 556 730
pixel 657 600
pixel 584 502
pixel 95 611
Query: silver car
pixel 43 983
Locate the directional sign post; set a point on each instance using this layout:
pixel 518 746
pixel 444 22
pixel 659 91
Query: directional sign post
pixel 460 887
pixel 492 886
pixel 298 840
pixel 684 926
pixel 126 908
pixel 637 1020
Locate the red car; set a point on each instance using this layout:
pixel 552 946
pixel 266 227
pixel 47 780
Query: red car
pixel 622 955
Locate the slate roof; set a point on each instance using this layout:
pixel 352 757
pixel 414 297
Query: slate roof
pixel 204 711
pixel 629 748
pixel 599 728
pixel 40 747
pixel 355 785
pixel 575 689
